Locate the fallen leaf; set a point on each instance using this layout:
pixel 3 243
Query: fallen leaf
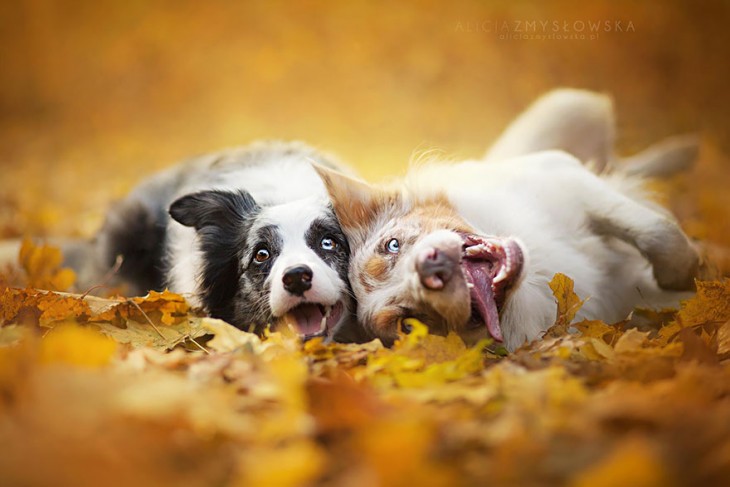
pixel 75 345
pixel 288 465
pixel 631 341
pixel 711 304
pixel 568 302
pixel 723 338
pixel 42 266
pixel 633 462
pixel 227 338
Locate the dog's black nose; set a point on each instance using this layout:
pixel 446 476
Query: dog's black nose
pixel 297 279
pixel 435 268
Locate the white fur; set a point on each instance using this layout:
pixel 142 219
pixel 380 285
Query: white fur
pixel 294 219
pixel 292 195
pixel 589 219
pixel 549 201
pixel 579 122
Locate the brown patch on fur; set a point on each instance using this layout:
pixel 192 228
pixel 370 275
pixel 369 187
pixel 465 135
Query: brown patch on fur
pixel 424 217
pixel 363 278
pixel 355 213
pixel 355 202
pixel 377 267
pixel 437 213
pixel 385 323
pixel 361 209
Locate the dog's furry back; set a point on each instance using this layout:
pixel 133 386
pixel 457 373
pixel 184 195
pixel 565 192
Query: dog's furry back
pixel 136 228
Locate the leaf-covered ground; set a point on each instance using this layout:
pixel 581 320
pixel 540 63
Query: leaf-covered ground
pixel 94 96
pixel 146 391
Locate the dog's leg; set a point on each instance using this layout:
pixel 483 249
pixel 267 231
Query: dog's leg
pixel 579 122
pixel 664 159
pixel 656 235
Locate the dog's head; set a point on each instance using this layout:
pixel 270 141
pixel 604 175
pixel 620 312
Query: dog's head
pixel 416 257
pixel 284 265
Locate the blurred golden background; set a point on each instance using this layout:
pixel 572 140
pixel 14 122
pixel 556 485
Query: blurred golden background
pixel 96 95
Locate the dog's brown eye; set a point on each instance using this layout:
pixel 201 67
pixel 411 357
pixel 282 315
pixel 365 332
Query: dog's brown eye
pixel 328 243
pixel 262 255
pixel 393 246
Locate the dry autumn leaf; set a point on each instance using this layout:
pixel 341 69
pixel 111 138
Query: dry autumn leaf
pixel 568 302
pixel 336 414
pixel 42 267
pixel 75 345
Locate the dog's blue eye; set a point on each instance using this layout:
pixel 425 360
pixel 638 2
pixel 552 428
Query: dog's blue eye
pixel 393 246
pixel 262 255
pixel 328 243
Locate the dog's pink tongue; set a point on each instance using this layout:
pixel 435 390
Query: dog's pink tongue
pixel 483 296
pixel 308 318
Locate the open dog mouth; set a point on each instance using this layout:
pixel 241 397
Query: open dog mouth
pixel 491 266
pixel 312 320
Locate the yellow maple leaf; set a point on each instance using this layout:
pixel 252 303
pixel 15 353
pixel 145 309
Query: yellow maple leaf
pixel 633 462
pixel 157 307
pixel 42 266
pixel 594 328
pixel 420 359
pixel 41 307
pixel 568 302
pixel 631 341
pixel 710 305
pixel 596 349
pixel 55 307
pixel 13 300
pixel 723 338
pixel 75 345
pixel 227 338
pixel 172 308
pixel 304 462
pixel 409 440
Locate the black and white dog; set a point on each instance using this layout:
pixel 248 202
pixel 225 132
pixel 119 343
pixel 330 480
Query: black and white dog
pixel 246 233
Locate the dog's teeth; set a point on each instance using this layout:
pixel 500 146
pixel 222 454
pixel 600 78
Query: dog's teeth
pixel 501 275
pixel 469 285
pixel 475 250
pixel 327 311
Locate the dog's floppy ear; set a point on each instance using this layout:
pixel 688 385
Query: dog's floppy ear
pixel 356 203
pixel 217 208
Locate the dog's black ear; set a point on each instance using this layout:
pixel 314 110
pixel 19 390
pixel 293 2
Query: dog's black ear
pixel 217 208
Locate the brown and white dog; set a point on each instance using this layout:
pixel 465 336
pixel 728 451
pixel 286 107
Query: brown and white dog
pixel 471 247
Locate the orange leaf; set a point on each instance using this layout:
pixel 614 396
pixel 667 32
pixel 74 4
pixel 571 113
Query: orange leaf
pixel 42 266
pixel 75 345
pixel 172 308
pixel 633 462
pixel 55 307
pixel 710 305
pixel 568 302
